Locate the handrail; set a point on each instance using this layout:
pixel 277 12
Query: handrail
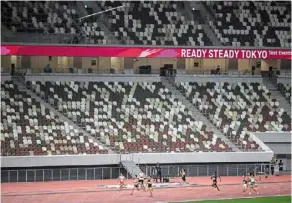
pixel 125 72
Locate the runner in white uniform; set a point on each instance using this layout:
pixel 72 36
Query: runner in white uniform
pixel 121 181
pixel 252 184
pixel 141 180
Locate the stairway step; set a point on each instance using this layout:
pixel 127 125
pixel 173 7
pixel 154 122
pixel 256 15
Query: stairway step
pixel 131 167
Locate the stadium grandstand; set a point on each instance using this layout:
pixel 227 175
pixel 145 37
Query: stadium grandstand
pixel 92 91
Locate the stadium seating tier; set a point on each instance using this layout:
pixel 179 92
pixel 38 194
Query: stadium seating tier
pixel 246 23
pixel 238 109
pixel 130 117
pixel 29 128
pixel 252 24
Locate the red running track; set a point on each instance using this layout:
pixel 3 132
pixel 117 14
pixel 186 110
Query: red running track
pixel 87 192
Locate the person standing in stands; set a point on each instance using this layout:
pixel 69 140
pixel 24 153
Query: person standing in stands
pixel 158 172
pixel 281 165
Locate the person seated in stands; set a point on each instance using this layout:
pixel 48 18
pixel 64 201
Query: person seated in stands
pixel 213 72
pixel 48 69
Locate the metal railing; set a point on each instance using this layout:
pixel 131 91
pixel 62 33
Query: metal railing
pixel 102 173
pixel 63 69
pixel 38 39
pixel 62 174
pixel 209 169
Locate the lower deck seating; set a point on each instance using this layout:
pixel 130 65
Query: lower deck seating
pixel 29 128
pixel 238 108
pixel 130 117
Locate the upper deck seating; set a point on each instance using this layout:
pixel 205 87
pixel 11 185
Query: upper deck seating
pixel 247 23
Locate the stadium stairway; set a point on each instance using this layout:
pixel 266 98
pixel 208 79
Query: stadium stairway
pixel 206 15
pixel 101 20
pixel 275 93
pixel 61 116
pixel 131 167
pixel 196 114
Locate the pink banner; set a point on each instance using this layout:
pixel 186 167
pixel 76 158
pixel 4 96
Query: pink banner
pixel 146 52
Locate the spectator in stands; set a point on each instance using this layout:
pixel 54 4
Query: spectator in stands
pixel 12 70
pixel 218 70
pixel 213 71
pixel 281 165
pixel 48 68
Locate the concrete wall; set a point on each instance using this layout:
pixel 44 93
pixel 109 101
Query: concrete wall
pixel 265 64
pixel 280 148
pixel 6 64
pixel 189 65
pixel 209 64
pixel 284 80
pixel 138 78
pixel 93 77
pixel 87 62
pixel 141 158
pixel 278 142
pixel 39 62
pixel 279 137
pixel 5 78
pixel 243 65
pixel 218 78
pixel 117 64
pixel 205 65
